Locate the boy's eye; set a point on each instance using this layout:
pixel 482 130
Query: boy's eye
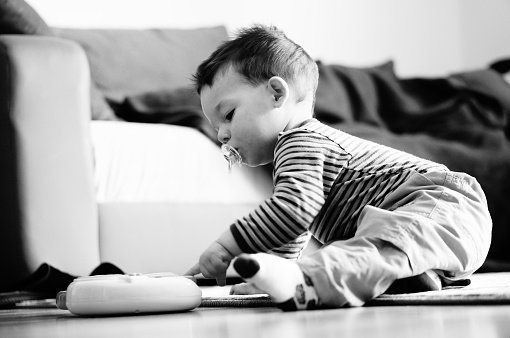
pixel 230 115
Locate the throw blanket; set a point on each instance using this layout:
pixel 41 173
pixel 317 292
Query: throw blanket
pixel 462 121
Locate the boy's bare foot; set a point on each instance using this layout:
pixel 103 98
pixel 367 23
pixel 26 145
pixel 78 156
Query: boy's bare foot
pixel 282 279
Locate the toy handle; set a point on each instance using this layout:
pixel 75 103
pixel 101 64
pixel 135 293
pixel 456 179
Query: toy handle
pixel 61 300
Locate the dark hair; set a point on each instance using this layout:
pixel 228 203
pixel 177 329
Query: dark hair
pixel 259 53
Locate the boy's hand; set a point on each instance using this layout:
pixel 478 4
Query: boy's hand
pixel 213 263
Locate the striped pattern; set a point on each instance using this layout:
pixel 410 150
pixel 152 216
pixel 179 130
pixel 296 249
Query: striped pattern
pixel 323 179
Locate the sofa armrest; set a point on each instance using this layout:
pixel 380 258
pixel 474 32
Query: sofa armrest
pixel 48 212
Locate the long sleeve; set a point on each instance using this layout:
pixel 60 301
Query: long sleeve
pixel 302 180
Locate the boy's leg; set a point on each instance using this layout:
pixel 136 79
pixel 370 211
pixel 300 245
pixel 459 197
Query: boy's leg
pixel 334 276
pixel 437 221
pixel 449 226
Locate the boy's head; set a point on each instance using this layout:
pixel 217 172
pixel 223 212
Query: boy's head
pixel 254 87
pixel 259 53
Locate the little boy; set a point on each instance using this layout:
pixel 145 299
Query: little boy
pixel 381 214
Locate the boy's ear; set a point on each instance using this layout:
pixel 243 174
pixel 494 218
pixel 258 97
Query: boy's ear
pixel 279 90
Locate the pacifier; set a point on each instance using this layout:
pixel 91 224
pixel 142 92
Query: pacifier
pixel 231 155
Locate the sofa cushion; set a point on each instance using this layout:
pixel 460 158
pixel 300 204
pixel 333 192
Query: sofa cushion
pixel 127 62
pixel 18 17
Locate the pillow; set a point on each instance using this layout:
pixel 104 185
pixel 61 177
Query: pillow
pixel 18 17
pixel 127 62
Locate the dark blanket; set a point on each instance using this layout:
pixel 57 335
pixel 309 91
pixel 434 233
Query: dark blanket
pixel 180 107
pixel 461 120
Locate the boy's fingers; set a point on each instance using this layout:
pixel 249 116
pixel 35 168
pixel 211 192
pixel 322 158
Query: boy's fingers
pixel 222 280
pixel 195 270
pixel 245 289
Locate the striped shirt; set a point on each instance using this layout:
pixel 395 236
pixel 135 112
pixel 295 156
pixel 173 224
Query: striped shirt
pixel 323 178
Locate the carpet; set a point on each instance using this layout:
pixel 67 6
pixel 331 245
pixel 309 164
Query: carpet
pixel 237 301
pixel 485 288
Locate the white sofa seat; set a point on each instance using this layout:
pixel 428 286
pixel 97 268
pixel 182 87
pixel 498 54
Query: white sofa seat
pixel 164 194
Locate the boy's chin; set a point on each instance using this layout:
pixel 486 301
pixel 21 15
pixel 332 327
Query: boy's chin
pixel 256 159
pixel 257 164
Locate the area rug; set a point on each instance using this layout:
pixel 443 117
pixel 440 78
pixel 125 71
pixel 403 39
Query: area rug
pixel 486 288
pixel 237 301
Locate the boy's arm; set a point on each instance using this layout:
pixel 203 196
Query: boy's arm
pixel 305 166
pixel 228 241
pixel 294 248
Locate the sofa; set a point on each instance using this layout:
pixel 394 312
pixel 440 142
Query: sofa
pixel 84 185
pixel 107 159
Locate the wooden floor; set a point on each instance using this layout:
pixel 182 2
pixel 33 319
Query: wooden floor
pixel 374 322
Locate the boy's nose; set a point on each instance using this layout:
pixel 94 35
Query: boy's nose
pixel 223 136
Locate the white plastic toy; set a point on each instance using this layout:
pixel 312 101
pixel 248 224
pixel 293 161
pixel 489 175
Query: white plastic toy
pixel 129 294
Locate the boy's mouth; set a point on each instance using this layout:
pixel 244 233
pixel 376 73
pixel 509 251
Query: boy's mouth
pixel 231 155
